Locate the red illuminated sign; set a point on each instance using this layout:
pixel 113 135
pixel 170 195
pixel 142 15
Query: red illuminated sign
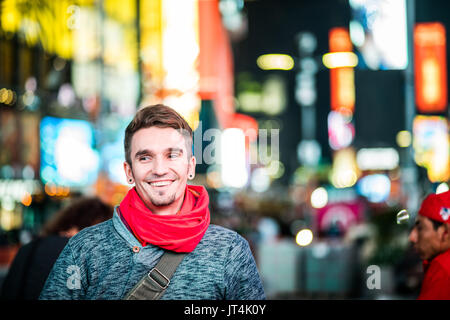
pixel 342 83
pixel 430 67
pixel 209 36
pixel 339 40
pixel 215 62
pixel 340 215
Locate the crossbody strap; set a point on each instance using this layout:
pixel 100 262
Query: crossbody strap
pixel 155 282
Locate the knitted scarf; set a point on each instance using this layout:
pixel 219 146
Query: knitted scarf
pixel 179 232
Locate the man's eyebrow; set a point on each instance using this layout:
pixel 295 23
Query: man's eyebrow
pixel 142 153
pixel 175 150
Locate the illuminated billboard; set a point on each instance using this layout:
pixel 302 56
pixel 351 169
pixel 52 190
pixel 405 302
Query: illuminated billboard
pixel 339 216
pixel 430 67
pixel 375 187
pixel 341 61
pixel 68 157
pixel 431 146
pixel 378 32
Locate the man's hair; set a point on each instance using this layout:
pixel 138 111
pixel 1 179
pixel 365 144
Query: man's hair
pixel 436 224
pixel 157 116
pixel 81 213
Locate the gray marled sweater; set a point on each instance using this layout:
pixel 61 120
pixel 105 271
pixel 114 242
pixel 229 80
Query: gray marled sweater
pixel 99 263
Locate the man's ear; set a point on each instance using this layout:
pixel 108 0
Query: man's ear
pixel 128 172
pixel 446 231
pixel 191 167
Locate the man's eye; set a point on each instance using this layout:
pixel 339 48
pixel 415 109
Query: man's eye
pixel 173 155
pixel 144 158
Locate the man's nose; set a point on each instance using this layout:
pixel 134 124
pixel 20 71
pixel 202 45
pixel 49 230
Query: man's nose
pixel 159 166
pixel 413 236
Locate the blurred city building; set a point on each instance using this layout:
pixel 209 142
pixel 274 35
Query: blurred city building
pixel 315 122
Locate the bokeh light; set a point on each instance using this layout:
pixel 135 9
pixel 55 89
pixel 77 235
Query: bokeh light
pixel 304 237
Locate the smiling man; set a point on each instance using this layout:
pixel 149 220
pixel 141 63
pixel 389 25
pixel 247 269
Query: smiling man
pixel 160 214
pixel 430 237
pixel 160 171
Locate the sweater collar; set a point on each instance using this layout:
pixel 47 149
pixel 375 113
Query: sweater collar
pixel 123 231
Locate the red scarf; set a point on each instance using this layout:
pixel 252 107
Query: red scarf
pixel 179 232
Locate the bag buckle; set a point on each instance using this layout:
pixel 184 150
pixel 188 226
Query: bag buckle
pixel 159 278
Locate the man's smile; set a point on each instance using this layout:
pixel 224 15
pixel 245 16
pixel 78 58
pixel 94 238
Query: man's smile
pixel 160 183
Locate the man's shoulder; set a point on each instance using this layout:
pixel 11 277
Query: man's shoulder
pixel 219 247
pixel 443 261
pixel 95 234
pixel 217 231
pixel 223 236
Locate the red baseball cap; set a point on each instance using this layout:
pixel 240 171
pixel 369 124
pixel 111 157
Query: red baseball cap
pixel 436 207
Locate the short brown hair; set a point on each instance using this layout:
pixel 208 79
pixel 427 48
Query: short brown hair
pixel 160 116
pixel 80 213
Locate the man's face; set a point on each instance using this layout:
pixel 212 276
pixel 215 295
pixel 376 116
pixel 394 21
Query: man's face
pixel 425 239
pixel 160 168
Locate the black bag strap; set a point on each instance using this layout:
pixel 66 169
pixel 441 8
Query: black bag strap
pixel 153 285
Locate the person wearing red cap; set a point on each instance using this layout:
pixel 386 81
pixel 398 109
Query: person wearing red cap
pixel 430 237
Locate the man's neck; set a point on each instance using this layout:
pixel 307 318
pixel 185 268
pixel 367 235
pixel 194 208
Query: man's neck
pixel 445 248
pixel 442 250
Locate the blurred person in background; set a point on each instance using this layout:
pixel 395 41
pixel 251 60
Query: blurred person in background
pixel 430 237
pixel 34 261
pixel 160 215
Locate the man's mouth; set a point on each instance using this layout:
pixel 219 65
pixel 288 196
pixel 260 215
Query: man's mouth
pixel 161 183
pixel 418 251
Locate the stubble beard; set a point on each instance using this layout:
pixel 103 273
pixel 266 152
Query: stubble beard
pixel 163 202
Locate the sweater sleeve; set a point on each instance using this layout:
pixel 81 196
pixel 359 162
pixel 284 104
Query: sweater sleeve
pixel 67 280
pixel 242 280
